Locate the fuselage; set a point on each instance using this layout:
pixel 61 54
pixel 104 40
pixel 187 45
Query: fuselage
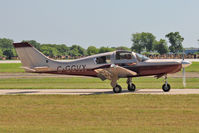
pixel 140 64
pixel 111 66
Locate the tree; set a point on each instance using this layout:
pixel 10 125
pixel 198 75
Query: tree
pixel 105 49
pixel 48 50
pixel 161 47
pixel 76 50
pixel 92 50
pixel 148 40
pixel 8 53
pixel 7 48
pixel 6 43
pixel 143 41
pixel 62 49
pixel 1 53
pixel 175 39
pixel 122 48
pixel 137 46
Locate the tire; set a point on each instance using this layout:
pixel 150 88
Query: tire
pixel 117 89
pixel 166 88
pixel 131 87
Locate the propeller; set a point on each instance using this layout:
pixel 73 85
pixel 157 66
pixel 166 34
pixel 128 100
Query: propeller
pixel 184 64
pixel 183 72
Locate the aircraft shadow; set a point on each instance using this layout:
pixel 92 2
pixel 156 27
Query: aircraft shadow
pixel 22 92
pixel 128 92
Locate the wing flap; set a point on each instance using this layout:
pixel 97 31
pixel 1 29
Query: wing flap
pixel 112 72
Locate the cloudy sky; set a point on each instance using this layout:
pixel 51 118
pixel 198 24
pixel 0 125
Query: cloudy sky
pixel 97 22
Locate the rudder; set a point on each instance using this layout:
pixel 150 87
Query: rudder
pixel 30 57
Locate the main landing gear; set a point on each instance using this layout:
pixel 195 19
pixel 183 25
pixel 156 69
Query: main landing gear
pixel 131 86
pixel 117 88
pixel 166 87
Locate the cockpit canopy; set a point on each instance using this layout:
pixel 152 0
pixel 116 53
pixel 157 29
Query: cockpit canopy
pixel 120 57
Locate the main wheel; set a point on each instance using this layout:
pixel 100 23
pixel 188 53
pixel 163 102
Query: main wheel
pixel 131 87
pixel 166 88
pixel 117 89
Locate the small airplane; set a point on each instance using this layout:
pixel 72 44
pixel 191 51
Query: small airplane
pixel 110 65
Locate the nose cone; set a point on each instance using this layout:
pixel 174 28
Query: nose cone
pixel 185 63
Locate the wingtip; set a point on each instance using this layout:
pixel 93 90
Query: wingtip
pixel 22 44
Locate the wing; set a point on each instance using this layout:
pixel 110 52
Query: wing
pixel 114 72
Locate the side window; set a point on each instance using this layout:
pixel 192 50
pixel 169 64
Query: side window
pixel 123 55
pixel 103 60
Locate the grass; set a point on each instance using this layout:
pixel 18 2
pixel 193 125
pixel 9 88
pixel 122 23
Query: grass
pixel 194 67
pixel 16 68
pixel 99 113
pixel 11 68
pixel 91 83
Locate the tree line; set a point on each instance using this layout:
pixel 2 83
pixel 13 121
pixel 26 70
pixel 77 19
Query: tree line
pixel 141 43
pixel 146 42
pixel 54 50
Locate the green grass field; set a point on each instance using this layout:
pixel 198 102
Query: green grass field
pixel 91 83
pixel 16 68
pixel 193 68
pixel 11 68
pixel 100 114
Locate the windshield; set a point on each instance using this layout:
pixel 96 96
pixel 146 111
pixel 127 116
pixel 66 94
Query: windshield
pixel 121 55
pixel 141 58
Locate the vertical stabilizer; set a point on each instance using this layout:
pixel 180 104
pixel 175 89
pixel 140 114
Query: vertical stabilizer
pixel 30 57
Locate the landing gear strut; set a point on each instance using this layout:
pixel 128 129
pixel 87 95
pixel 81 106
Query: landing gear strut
pixel 116 88
pixel 131 86
pixel 166 87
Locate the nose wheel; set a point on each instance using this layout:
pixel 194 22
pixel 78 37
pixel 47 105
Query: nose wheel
pixel 166 87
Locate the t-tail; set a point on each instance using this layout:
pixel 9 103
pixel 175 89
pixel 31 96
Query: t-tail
pixel 32 60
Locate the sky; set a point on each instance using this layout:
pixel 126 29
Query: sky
pixel 98 22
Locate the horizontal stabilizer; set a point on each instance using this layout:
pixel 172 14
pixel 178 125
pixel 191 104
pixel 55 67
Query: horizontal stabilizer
pixel 36 69
pixel 41 69
pixel 27 69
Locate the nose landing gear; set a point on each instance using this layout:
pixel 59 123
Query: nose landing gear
pixel 166 87
pixel 116 88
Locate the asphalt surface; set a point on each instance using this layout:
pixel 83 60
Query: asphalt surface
pixel 93 91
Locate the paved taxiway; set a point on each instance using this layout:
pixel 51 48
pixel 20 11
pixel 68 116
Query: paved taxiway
pixel 92 91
